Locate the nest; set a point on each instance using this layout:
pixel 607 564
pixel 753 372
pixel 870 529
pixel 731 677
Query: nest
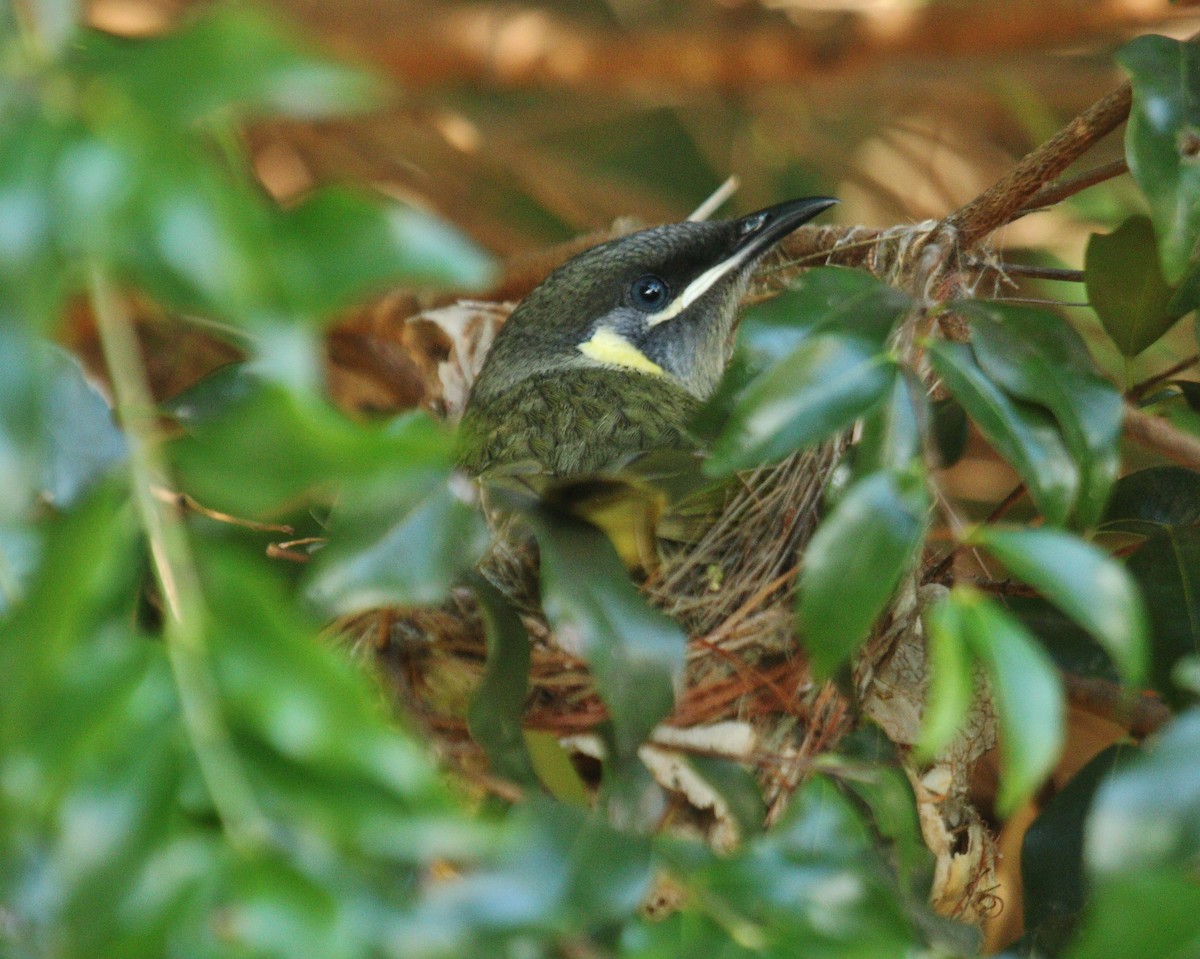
pixel 748 694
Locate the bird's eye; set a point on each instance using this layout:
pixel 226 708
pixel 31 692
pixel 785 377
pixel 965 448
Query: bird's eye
pixel 649 293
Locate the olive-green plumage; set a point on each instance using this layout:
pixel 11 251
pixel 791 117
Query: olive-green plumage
pixel 613 353
pixel 553 421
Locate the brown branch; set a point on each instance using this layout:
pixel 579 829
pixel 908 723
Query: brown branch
pixel 1053 193
pixel 1002 202
pixel 1139 390
pixel 518 46
pixel 1156 433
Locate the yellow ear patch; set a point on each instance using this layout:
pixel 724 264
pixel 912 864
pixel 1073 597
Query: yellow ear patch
pixel 609 346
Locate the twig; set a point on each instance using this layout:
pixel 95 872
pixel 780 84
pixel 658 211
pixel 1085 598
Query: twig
pixel 715 199
pixel 1001 508
pixel 184 628
pixel 1138 390
pixel 1144 715
pixel 1001 203
pixel 1156 433
pixel 1053 193
pixel 1029 270
pixel 185 502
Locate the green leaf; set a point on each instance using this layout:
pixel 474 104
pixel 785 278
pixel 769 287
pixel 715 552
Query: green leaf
pixel 1052 873
pixel 1084 582
pixel 1150 914
pixel 1026 690
pixel 1161 142
pixel 425 552
pixel 231 60
pixel 828 299
pixel 1147 816
pixel 554 770
pixel 635 652
pixel 1126 287
pixel 1147 501
pixel 324 758
pixel 1167 570
pixel 854 562
pixel 1023 434
pixel 494 716
pixel 1034 356
pixel 278 447
pixel 340 245
pixel 891 435
pixel 822 386
pixel 952 677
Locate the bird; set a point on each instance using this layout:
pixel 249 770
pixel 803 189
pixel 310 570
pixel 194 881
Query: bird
pixel 614 352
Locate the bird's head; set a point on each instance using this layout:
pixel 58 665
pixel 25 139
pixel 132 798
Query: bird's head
pixel 661 301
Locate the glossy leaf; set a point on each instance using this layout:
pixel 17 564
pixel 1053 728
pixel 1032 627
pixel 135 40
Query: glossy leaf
pixel 1167 570
pixel 494 716
pixel 1026 691
pixel 854 562
pixel 279 446
pixel 1126 287
pixel 1161 141
pixel 1035 356
pixel 416 561
pixel 891 435
pixel 828 299
pixel 951 679
pixel 1085 583
pixel 1052 873
pixel 1147 816
pixel 822 386
pixel 1023 434
pixel 1147 501
pixel 635 652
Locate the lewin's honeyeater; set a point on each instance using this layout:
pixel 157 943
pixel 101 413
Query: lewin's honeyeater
pixel 612 354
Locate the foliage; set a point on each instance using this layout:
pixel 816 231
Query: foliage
pixel 187 767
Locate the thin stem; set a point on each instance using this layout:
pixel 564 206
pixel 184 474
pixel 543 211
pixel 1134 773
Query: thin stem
pixel 1156 433
pixel 1139 390
pixel 1053 193
pixel 1029 270
pixel 175 570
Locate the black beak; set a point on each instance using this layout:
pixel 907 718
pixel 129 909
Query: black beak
pixel 759 231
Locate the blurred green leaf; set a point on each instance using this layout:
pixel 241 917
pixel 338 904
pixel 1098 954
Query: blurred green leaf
pixel 1023 434
pixel 822 386
pixel 828 299
pixel 1147 501
pixel 278 446
pixel 635 652
pixel 1126 287
pixel 854 562
pixel 1084 582
pixel 1035 356
pixel 427 549
pixel 83 441
pixel 554 769
pixel 232 59
pixel 1052 873
pixel 952 676
pixel 1152 914
pixel 326 759
pixel 1025 689
pixel 1167 570
pixel 494 716
pixel 1147 815
pixel 1161 141
pixel 891 434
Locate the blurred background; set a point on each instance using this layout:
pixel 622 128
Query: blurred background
pixel 527 123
